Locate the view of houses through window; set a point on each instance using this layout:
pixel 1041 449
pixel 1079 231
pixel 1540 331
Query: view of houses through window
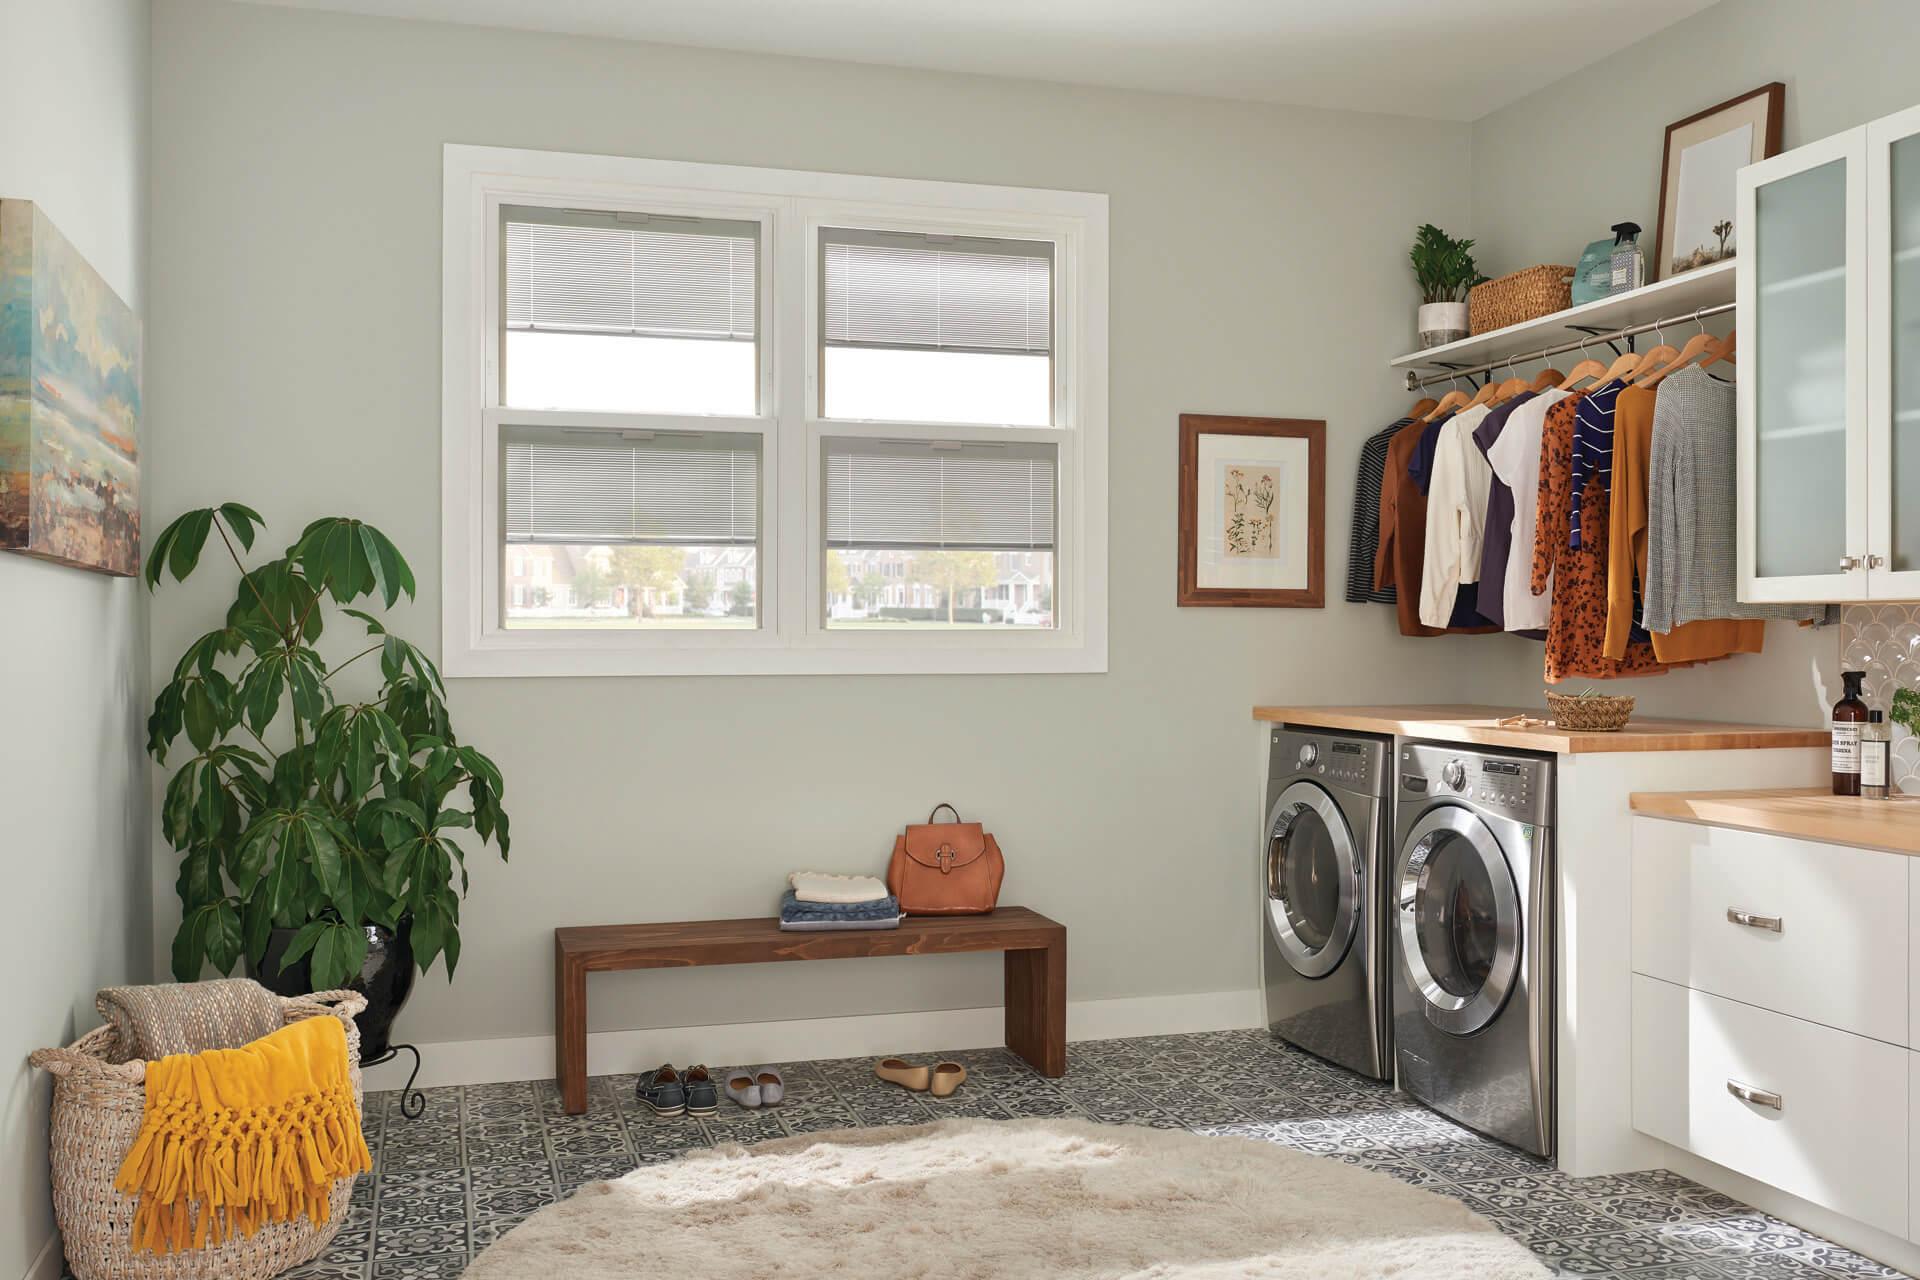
pixel 564 585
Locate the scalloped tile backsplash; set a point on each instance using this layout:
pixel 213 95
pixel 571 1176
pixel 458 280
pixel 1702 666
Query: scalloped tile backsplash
pixel 1883 640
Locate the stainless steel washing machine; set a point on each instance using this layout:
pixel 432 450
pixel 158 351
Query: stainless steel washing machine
pixel 1324 861
pixel 1473 915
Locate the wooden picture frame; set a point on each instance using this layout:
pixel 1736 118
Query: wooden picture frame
pixel 1712 132
pixel 1258 486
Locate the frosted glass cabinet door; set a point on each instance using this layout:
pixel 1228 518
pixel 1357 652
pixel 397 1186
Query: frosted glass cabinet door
pixel 1893 327
pixel 1801 298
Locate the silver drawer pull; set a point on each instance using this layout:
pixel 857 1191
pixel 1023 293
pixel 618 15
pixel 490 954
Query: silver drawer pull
pixel 1758 1097
pixel 1753 921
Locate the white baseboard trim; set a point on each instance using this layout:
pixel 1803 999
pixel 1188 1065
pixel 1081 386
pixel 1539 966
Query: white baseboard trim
pixel 46 1263
pixel 609 1052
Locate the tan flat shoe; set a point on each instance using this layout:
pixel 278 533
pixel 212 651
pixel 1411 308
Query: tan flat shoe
pixel 904 1074
pixel 947 1076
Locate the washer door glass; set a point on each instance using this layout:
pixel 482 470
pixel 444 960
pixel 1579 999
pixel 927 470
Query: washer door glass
pixel 1313 890
pixel 1459 913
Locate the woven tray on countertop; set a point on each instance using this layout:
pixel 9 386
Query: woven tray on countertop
pixel 1593 713
pixel 1522 296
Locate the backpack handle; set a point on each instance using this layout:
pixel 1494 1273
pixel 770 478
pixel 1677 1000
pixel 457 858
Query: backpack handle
pixel 936 813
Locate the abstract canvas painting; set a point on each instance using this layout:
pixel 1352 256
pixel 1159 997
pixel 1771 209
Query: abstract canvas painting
pixel 69 402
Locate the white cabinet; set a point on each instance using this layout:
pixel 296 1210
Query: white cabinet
pixel 1827 298
pixel 1816 1112
pixel 1815 931
pixel 1776 992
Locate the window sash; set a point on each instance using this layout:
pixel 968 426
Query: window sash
pixel 632 274
pixel 920 292
pixel 912 495
pixel 594 487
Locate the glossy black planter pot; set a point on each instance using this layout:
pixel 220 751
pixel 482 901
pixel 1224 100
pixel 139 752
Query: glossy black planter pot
pixel 385 979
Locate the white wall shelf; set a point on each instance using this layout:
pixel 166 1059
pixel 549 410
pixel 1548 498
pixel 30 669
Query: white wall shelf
pixel 1676 297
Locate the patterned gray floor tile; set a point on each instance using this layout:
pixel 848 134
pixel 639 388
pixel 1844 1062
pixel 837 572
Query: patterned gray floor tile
pixel 483 1157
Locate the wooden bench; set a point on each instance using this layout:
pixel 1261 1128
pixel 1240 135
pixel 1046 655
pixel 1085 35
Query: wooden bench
pixel 1036 970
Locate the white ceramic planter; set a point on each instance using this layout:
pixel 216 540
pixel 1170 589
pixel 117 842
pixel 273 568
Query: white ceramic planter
pixel 1442 322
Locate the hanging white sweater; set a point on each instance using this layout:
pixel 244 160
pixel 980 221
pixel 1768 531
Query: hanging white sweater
pixel 1516 460
pixel 1456 515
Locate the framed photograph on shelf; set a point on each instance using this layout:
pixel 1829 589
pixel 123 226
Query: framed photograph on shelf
pixel 1253 512
pixel 1702 154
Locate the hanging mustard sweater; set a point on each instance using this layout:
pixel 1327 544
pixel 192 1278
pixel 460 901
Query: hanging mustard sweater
pixel 233 1139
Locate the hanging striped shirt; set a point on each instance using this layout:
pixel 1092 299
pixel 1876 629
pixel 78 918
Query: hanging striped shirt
pixel 1592 448
pixel 1366 521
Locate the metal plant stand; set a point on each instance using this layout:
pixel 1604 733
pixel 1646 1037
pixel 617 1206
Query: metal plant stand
pixel 413 1103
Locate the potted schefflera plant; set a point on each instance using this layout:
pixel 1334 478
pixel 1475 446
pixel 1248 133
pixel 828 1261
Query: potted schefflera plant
pixel 1445 271
pixel 316 827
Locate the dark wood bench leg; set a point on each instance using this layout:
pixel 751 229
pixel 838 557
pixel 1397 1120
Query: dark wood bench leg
pixel 570 1032
pixel 1037 1006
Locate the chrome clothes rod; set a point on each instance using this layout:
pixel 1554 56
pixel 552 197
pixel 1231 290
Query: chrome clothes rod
pixel 1417 382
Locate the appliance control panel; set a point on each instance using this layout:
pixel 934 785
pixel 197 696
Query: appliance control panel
pixel 1508 784
pixel 1342 760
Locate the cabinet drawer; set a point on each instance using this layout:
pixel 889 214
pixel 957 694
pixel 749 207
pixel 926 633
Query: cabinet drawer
pixel 1838 1134
pixel 1825 932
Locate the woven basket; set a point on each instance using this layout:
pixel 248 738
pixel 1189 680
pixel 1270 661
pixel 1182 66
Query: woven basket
pixel 98 1103
pixel 1517 298
pixel 1595 713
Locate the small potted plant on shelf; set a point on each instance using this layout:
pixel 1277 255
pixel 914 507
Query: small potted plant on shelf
pixel 317 831
pixel 1445 270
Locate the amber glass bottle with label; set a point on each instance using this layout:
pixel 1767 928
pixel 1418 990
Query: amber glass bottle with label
pixel 1849 716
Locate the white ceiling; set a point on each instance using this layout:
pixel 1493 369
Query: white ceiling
pixel 1445 59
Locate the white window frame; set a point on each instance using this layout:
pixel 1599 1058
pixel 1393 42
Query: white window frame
pixel 791 637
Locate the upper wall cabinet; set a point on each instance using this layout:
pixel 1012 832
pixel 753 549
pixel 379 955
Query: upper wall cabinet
pixel 1828 299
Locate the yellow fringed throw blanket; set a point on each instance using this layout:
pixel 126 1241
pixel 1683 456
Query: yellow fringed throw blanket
pixel 233 1139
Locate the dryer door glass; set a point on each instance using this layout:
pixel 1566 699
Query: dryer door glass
pixel 1459 913
pixel 1313 894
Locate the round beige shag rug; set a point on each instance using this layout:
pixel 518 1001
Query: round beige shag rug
pixel 1002 1200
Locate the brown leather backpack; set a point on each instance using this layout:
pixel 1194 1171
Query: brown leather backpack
pixel 945 868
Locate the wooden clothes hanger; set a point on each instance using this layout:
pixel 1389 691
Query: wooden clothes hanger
pixel 1454 399
pixel 1423 407
pixel 1724 353
pixel 1512 387
pixel 1548 377
pixel 1702 343
pixel 1587 368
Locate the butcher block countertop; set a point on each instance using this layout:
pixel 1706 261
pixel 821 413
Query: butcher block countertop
pixel 1459 722
pixel 1809 814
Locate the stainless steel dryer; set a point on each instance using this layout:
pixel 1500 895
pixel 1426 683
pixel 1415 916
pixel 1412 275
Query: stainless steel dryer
pixel 1473 914
pixel 1324 860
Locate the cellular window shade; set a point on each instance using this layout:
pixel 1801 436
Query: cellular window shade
pixel 574 272
pixel 605 489
pixel 888 290
pixel 889 495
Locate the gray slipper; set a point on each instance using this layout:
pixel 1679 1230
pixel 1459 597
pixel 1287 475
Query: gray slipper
pixel 773 1089
pixel 745 1090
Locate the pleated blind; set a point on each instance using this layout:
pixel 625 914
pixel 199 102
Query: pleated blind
pixel 887 289
pixel 581 272
pixel 602 488
pixel 886 494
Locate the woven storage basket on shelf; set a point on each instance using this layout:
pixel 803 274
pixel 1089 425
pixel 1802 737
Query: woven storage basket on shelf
pixel 1517 298
pixel 1593 713
pixel 98 1103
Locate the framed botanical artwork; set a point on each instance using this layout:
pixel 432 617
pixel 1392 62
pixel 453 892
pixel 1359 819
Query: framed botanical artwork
pixel 1253 511
pixel 1703 152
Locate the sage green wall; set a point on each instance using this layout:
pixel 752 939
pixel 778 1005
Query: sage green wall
pixel 1258 267
pixel 76 912
pixel 1553 171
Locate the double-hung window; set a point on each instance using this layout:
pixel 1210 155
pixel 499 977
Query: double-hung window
pixel 705 419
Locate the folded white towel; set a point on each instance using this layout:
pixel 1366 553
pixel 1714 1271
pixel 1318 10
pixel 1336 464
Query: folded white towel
pixel 816 886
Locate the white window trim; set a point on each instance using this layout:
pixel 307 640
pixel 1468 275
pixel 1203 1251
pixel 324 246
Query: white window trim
pixel 792 638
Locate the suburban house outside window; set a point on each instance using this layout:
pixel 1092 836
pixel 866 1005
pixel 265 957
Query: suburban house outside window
pixel 708 419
